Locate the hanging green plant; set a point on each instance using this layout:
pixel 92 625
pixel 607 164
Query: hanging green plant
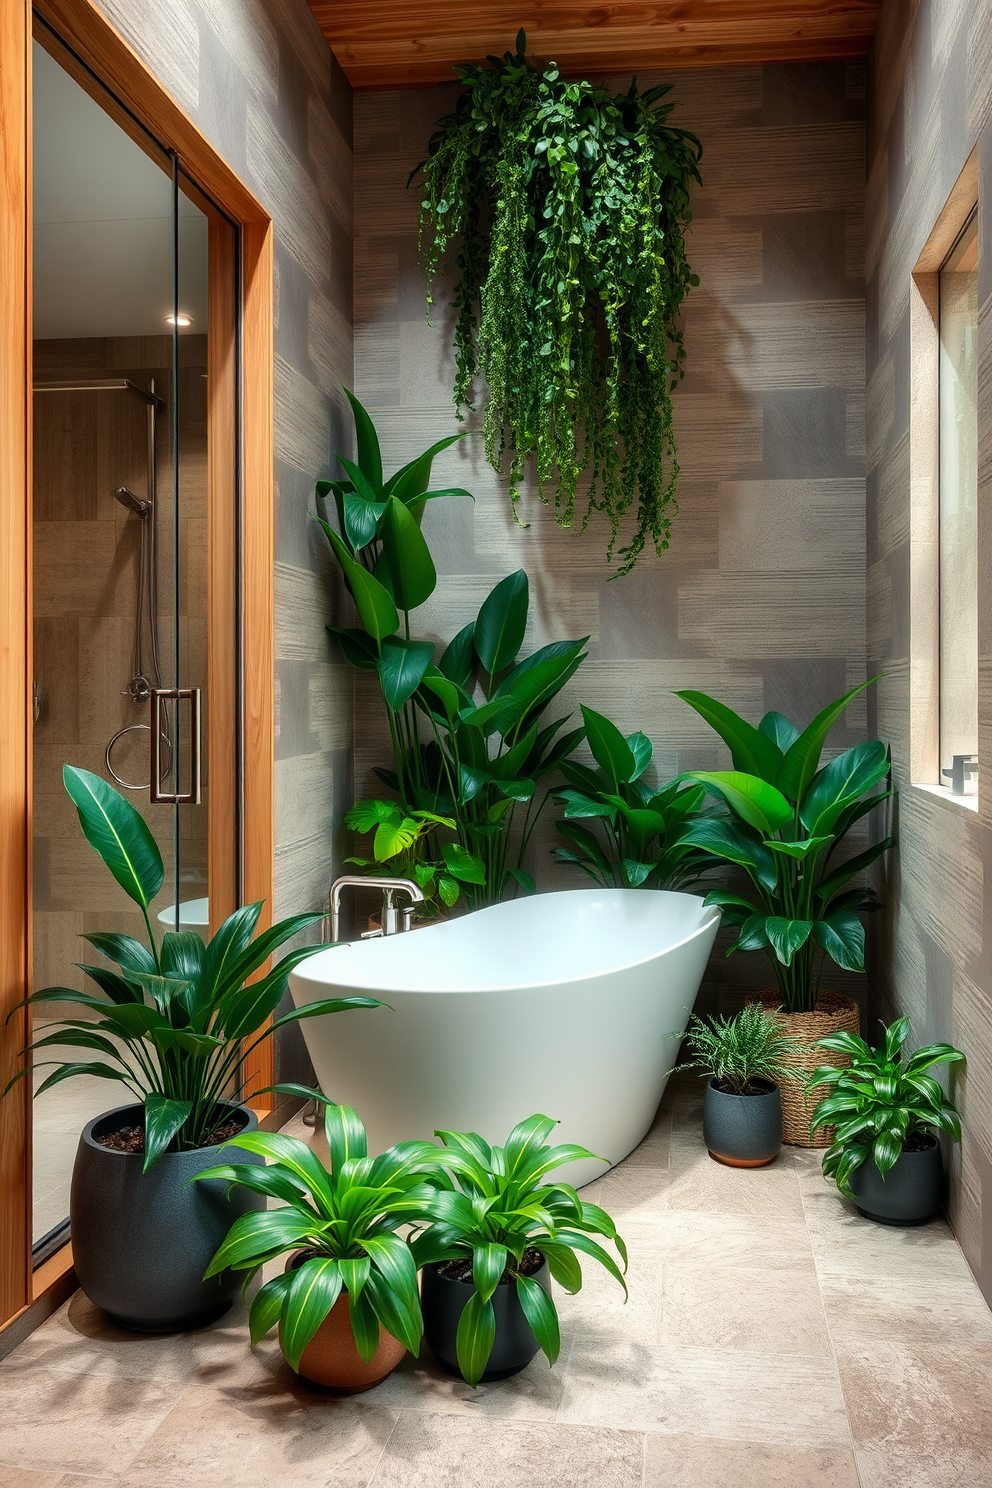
pixel 565 207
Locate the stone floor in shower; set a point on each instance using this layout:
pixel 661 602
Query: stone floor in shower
pixel 772 1337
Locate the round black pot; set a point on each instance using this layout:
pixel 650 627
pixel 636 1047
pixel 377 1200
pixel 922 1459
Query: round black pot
pixel 909 1194
pixel 442 1301
pixel 142 1241
pixel 743 1131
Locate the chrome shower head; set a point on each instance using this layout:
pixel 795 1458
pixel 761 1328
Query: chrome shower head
pixel 136 504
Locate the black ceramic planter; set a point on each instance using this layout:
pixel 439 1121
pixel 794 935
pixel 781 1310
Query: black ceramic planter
pixel 909 1194
pixel 142 1241
pixel 743 1131
pixel 443 1300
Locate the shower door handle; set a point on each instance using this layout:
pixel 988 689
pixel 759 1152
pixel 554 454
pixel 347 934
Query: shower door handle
pixel 177 695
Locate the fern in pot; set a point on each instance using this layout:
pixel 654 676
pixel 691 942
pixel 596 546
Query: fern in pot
pixel 744 1060
pixel 170 1023
pixel 785 828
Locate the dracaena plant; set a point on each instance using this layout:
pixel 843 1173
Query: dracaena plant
pixel 174 1021
pixel 788 818
pixel 490 1205
pixel 343 1221
pixel 401 846
pixel 467 732
pixel 640 842
pixel 880 1100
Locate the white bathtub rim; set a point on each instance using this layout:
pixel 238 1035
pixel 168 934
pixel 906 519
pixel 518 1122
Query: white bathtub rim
pixel 306 971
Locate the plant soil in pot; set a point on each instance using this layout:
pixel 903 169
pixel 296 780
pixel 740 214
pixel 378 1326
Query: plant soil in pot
pixel 834 1013
pixel 911 1191
pixel 141 1242
pixel 743 1131
pixel 445 1291
pixel 331 1358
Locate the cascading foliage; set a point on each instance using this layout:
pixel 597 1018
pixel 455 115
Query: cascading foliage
pixel 564 207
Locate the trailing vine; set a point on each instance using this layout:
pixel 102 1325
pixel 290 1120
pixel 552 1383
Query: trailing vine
pixel 564 208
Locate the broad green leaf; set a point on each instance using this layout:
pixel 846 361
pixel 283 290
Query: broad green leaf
pixel 408 558
pixel 315 1288
pixel 69 1072
pixel 610 749
pixel 516 790
pixel 358 647
pixel 841 782
pixel 777 727
pixel 842 936
pixel 401 668
pixel 754 800
pixel 463 864
pixel 411 480
pixel 115 830
pixel 726 840
pixel 129 954
pixel 163 1119
pixel 798 850
pixel 803 757
pixel 364 1323
pixel 842 875
pixel 540 1312
pixel 360 520
pixel 267 1306
pixel 502 620
pixel 475 1338
pixel 642 749
pixel 753 752
pixel 367 441
pixel 345 1135
pixel 365 816
pixel 375 606
pixel 449 891
pixel 458 659
pixel 787 936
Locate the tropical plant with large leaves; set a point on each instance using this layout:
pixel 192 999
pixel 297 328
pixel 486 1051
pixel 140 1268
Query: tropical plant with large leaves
pixel 343 1221
pixel 788 816
pixel 489 1206
pixel 880 1100
pixel 401 847
pixel 172 1022
pixel 469 742
pixel 641 843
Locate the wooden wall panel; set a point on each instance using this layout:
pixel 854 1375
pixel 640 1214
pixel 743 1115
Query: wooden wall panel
pixel 410 43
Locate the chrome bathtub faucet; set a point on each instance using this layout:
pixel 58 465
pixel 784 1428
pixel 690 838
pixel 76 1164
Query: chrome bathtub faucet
pixel 394 920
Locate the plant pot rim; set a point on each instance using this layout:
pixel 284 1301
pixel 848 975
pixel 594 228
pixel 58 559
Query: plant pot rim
pixel 86 1135
pixel 772 1090
pixel 827 1005
pixel 467 1280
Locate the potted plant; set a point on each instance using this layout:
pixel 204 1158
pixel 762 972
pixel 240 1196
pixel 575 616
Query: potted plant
pixel 498 1232
pixel 641 843
pixel 404 846
pixel 886 1111
pixel 346 1302
pixel 473 761
pixel 743 1058
pixel 787 817
pixel 172 1024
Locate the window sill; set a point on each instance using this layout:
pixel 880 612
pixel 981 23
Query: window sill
pixel 957 803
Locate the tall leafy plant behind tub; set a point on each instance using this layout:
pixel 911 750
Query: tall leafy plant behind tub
pixel 563 208
pixel 475 761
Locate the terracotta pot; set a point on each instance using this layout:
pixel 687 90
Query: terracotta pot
pixel 833 1013
pixel 331 1358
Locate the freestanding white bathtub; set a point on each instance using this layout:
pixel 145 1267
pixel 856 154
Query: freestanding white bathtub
pixel 559 1003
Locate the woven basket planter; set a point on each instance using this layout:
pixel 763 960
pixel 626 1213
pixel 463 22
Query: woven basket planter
pixel 834 1013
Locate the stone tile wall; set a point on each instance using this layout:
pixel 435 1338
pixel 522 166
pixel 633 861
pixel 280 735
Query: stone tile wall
pixel 760 598
pixel 930 104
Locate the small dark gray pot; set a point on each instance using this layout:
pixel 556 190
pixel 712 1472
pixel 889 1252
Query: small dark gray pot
pixel 142 1241
pixel 909 1194
pixel 743 1131
pixel 443 1299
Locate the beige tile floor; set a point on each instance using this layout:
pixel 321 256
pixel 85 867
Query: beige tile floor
pixel 772 1338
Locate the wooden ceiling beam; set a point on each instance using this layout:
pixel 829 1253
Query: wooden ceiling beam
pixel 413 43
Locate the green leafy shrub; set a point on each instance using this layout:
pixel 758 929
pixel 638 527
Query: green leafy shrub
pixel 401 847
pixel 737 1051
pixel 880 1101
pixel 642 825
pixel 343 1220
pixel 174 1022
pixel 491 1204
pixel 565 208
pixel 788 817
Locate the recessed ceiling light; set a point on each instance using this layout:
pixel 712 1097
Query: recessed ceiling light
pixel 179 319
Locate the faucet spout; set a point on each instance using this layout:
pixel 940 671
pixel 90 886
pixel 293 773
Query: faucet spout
pixel 392 921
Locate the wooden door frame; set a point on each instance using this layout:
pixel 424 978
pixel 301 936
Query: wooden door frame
pixel 116 65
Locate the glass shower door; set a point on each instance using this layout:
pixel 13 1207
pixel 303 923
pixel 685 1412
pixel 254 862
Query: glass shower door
pixel 120 487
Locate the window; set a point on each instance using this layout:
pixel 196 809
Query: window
pixel 958 512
